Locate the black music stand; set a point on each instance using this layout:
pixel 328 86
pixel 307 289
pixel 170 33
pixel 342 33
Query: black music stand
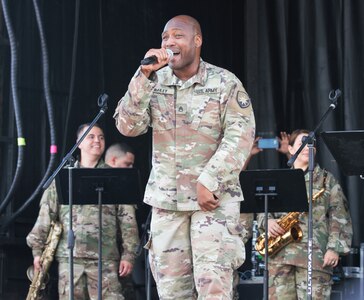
pixel 97 186
pixel 347 147
pixel 284 188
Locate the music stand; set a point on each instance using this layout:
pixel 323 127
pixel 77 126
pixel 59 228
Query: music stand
pixel 347 147
pixel 89 186
pixel 280 187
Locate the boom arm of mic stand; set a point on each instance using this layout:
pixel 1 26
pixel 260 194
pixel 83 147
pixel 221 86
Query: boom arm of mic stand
pixel 333 96
pixel 102 101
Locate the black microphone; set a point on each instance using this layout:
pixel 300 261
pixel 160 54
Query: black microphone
pixel 151 60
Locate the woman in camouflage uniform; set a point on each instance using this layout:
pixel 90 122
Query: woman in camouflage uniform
pixel 332 234
pixel 115 218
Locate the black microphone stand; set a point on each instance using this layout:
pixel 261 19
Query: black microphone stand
pixel 102 102
pixel 310 142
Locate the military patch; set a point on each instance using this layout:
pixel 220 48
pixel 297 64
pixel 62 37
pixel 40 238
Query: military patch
pixel 181 109
pixel 243 100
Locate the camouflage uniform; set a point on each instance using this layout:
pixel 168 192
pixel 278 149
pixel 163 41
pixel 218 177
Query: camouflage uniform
pixel 332 229
pixel 246 221
pixel 116 219
pixel 203 130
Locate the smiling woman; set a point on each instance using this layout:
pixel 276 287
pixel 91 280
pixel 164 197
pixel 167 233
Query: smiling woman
pixel 118 224
pixel 332 234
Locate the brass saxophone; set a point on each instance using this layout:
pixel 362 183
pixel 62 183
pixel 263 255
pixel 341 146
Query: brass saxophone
pixel 292 231
pixel 38 278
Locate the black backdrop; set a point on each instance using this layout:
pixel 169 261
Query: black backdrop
pixel 288 54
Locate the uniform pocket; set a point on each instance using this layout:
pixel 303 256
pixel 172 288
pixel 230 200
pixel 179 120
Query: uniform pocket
pixel 206 117
pixel 233 223
pixel 161 112
pixel 236 231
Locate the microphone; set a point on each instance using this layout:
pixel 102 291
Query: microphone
pixel 151 60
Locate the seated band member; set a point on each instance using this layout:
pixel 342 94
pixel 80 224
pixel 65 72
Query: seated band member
pixel 332 234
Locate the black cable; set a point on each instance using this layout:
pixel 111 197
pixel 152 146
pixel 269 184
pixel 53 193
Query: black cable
pixel 101 37
pixel 73 74
pixel 17 111
pixel 49 104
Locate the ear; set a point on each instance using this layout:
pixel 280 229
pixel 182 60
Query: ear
pixel 198 40
pixel 113 161
pixel 290 150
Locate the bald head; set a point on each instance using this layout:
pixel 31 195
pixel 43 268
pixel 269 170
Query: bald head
pixel 187 20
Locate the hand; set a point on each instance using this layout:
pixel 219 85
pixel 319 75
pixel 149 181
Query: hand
pixel 125 268
pixel 255 149
pixel 274 229
pixel 205 198
pixel 163 59
pixel 36 263
pixel 283 143
pixel 331 259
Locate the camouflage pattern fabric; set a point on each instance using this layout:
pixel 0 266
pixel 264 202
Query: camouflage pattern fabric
pixel 287 282
pixel 86 280
pixel 116 219
pixel 203 130
pixel 246 222
pixel 332 229
pixel 216 249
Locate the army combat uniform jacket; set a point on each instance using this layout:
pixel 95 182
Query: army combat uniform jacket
pixel 203 130
pixel 332 227
pixel 119 224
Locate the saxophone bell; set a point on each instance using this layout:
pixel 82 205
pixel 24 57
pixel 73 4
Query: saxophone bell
pixel 30 275
pixel 39 279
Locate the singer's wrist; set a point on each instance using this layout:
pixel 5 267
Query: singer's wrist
pixel 146 73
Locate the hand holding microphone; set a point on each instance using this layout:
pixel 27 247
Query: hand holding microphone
pixel 155 59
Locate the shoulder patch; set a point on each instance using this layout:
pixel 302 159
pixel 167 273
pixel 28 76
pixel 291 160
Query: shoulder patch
pixel 242 99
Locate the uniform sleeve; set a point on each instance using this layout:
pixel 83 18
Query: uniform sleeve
pixel 132 112
pixel 238 126
pixel 261 221
pixel 37 238
pixel 129 232
pixel 246 220
pixel 340 226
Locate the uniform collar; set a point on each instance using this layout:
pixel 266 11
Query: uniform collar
pixel 166 77
pixel 99 164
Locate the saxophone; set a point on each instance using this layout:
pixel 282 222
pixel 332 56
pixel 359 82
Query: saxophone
pixel 292 231
pixel 38 278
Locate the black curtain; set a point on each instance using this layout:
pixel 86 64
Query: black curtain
pixel 304 50
pixel 288 54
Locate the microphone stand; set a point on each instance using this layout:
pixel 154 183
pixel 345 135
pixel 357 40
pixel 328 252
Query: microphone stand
pixel 102 102
pixel 310 142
